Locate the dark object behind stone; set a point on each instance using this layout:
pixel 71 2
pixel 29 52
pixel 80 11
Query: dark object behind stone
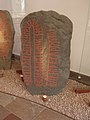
pixel 84 78
pixel 45 57
pixel 6 39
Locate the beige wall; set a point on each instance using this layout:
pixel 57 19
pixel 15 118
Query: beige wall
pixel 76 10
pixel 5 5
pixel 85 63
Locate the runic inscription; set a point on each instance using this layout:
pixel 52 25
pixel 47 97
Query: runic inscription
pixel 53 59
pixel 6 39
pixel 6 34
pixel 45 59
pixel 33 58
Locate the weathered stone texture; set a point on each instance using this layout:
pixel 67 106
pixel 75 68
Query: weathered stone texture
pixel 6 39
pixel 46 39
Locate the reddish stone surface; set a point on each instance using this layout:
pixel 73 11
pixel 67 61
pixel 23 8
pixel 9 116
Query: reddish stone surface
pixel 53 61
pixel 33 57
pixel 6 39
